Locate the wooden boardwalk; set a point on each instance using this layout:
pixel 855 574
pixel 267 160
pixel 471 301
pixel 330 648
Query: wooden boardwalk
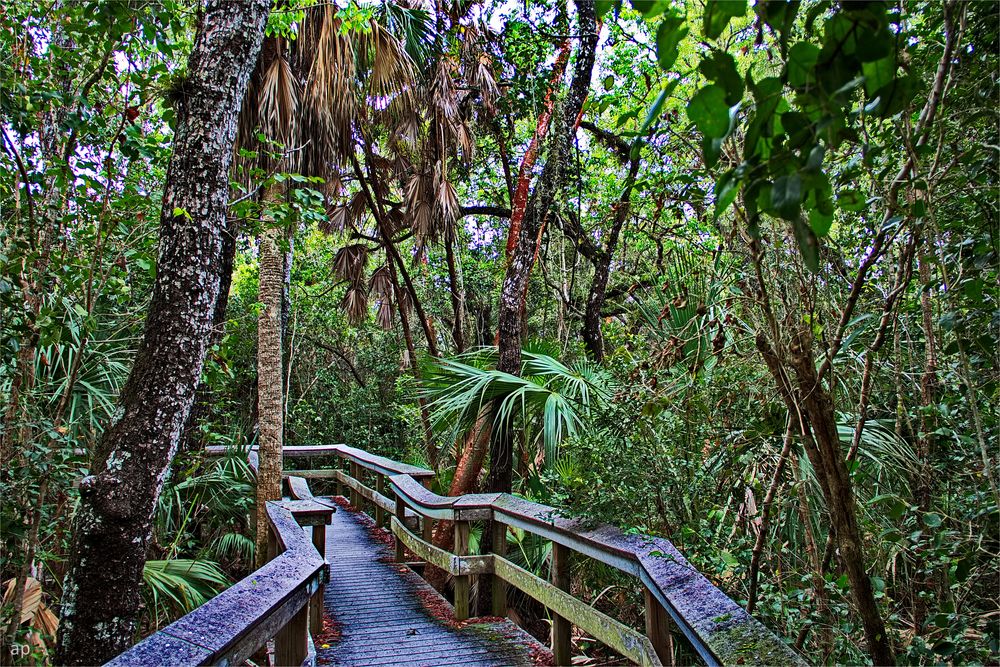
pixel 382 611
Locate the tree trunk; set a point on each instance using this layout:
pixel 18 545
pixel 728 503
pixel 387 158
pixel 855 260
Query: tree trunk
pixel 457 291
pixel 509 321
pixel 102 592
pixel 270 403
pixel 828 460
pixel 202 408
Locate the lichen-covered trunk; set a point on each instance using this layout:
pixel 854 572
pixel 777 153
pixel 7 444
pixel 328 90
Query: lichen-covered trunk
pixel 202 408
pixel 515 283
pixel 103 588
pixel 270 402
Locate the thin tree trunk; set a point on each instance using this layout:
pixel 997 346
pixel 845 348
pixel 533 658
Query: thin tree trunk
pixel 457 293
pixel 828 460
pixel 922 584
pixel 270 379
pixel 592 336
pixel 765 516
pixel 102 591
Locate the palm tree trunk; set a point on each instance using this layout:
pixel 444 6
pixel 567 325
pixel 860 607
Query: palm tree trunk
pixel 270 403
pixel 102 591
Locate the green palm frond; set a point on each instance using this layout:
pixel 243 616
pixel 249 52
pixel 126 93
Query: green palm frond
pixel 176 587
pixel 549 396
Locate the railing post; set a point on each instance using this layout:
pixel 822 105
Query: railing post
pixel 356 474
pixel 316 602
pixel 561 628
pixel 499 586
pixel 401 517
pixel 291 644
pixel 272 545
pixel 462 581
pixel 379 488
pixel 427 523
pixel 658 628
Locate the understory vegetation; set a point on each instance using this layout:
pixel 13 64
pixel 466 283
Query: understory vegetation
pixel 719 271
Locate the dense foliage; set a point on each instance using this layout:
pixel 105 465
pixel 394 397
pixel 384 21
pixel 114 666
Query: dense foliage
pixel 763 278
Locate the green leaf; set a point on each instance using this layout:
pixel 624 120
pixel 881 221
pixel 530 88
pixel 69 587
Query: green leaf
pixel 709 112
pixel 802 59
pixel 720 68
pixel 650 8
pixel 609 82
pixel 670 33
pixel 718 14
pixel 657 108
pixel 820 222
pixel 879 73
pixel 602 7
pixel 932 520
pixel 726 191
pixel 896 95
pixel 850 200
pixel 786 196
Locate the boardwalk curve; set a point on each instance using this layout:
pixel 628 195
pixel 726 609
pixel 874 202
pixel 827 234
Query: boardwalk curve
pixel 381 612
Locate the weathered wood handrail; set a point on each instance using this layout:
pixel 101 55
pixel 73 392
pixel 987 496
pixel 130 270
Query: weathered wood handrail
pixel 718 629
pixel 280 600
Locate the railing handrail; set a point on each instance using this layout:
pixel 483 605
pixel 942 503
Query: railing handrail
pixel 236 623
pixel 719 629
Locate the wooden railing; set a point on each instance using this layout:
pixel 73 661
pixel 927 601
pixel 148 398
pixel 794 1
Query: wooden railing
pixel 678 599
pixel 283 600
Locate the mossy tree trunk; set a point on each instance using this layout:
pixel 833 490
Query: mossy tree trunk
pixel 103 588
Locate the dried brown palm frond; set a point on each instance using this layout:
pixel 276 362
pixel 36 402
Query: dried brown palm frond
pixel 465 141
pixel 401 166
pixel 332 91
pixel 395 220
pixel 416 191
pixel 443 92
pixel 485 81
pixel 392 77
pixel 408 129
pixel 381 283
pixel 336 219
pixel 381 164
pixel 359 204
pixel 278 99
pixel 385 314
pixel 350 263
pixel 355 304
pixel 422 222
pixel 446 203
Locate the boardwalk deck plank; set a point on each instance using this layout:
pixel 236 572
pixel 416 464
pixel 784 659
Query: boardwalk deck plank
pixel 384 622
